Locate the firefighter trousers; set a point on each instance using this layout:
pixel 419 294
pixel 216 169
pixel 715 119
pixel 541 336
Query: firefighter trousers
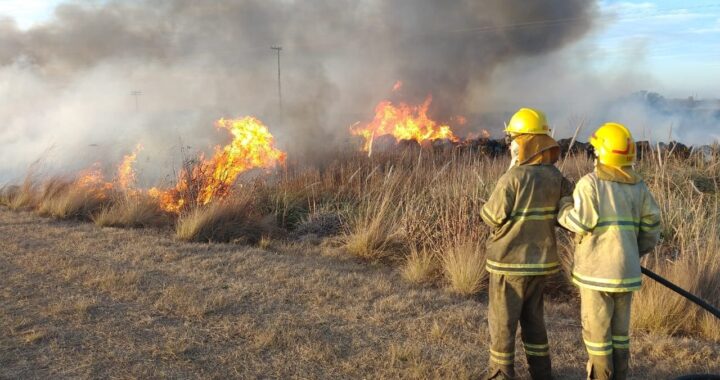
pixel 514 299
pixel 606 323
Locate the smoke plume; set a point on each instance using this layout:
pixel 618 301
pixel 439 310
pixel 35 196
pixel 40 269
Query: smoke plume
pixel 66 84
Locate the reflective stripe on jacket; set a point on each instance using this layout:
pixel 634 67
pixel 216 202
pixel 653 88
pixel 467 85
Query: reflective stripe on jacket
pixel 616 223
pixel 522 211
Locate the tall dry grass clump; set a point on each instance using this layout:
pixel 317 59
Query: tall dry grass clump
pixel 7 193
pixel 420 267
pixel 23 197
pixel 376 229
pixel 64 199
pixel 464 268
pixel 232 219
pixel 689 254
pixel 424 202
pixel 134 210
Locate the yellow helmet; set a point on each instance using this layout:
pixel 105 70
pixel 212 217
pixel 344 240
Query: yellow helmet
pixel 614 145
pixel 528 121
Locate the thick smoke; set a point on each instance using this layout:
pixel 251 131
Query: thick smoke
pixel 66 85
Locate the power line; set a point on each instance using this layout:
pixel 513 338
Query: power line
pixel 278 49
pixel 136 94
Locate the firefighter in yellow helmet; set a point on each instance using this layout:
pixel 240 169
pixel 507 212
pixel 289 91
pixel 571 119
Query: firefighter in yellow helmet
pixel 521 251
pixel 616 220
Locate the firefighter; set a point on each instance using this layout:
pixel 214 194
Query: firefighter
pixel 521 251
pixel 616 220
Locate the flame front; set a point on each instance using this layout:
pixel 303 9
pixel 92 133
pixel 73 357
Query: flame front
pixel 126 173
pixel 92 178
pixel 403 122
pixel 252 147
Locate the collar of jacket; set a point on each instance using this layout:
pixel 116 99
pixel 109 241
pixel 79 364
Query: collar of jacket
pixel 625 174
pixel 536 150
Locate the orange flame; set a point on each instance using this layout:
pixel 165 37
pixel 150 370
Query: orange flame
pixel 252 147
pixel 93 180
pixel 404 122
pixel 397 86
pixel 126 173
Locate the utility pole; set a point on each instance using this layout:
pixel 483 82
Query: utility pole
pixel 136 94
pixel 278 49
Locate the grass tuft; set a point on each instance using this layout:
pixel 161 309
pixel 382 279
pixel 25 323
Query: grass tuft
pixel 132 211
pixel 464 268
pixel 71 202
pixel 420 267
pixel 234 219
pixel 375 230
pixel 23 197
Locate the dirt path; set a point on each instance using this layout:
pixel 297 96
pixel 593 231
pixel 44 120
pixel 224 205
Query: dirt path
pixel 81 301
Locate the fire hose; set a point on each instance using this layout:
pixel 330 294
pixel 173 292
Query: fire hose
pixel 691 297
pixel 694 299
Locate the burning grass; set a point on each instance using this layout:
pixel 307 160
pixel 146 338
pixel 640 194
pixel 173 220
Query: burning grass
pixel 416 208
pixel 204 180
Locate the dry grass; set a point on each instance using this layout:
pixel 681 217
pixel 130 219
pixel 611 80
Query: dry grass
pixel 235 219
pixel 83 302
pixel 464 268
pixel 7 193
pixel 132 211
pixel 689 255
pixel 72 202
pixel 420 267
pixel 22 201
pixel 20 198
pixel 376 231
pixel 428 202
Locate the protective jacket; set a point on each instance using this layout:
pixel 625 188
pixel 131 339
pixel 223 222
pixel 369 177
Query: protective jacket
pixel 522 211
pixel 616 219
